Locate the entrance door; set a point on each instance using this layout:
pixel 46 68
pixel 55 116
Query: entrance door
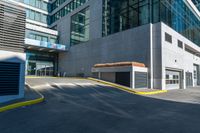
pixel 189 81
pixel 40 68
pixel 44 69
pixel 173 79
pixel 31 68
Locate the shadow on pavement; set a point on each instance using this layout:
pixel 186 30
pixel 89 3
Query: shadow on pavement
pixel 101 109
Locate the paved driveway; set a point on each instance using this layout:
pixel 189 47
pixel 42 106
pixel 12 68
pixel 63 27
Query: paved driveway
pixel 189 95
pixel 82 106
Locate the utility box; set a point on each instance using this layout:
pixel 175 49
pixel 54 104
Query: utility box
pixel 130 74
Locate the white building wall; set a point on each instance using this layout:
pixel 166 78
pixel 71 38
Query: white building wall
pixel 175 58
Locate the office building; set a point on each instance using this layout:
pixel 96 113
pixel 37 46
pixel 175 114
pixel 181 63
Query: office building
pixel 164 35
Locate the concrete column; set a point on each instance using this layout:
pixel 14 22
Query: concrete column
pixel 151 76
pixel 132 78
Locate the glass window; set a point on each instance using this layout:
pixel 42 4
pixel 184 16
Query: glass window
pixel 27 13
pixel 38 3
pixel 32 14
pixel 37 16
pixel 32 2
pixel 26 2
pixel 45 39
pixel 45 6
pixel 168 38
pixel 66 9
pixel 53 40
pixel 43 18
pixel 80 27
pixel 180 44
pixel 119 15
pixel 31 36
pixel 38 37
pixel 124 14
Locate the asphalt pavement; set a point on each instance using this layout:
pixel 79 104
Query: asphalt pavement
pixel 83 106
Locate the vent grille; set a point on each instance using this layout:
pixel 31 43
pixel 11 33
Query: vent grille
pixel 141 80
pixel 9 78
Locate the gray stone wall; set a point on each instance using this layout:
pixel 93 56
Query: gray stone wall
pixel 130 45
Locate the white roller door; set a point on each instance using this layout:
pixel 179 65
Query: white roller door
pixel 172 79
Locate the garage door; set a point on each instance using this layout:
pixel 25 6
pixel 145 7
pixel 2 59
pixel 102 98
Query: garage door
pixel 172 79
pixel 9 78
pixel 123 78
pixel 141 80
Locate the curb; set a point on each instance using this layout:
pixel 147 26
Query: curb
pixel 34 77
pixel 127 89
pixel 24 103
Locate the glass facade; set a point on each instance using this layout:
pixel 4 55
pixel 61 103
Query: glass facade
pixel 197 3
pixel 119 15
pixel 36 3
pixel 80 27
pixel 66 9
pixel 40 36
pixel 41 63
pixel 36 16
pixel 125 14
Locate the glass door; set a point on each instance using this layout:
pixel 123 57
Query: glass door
pixel 44 69
pixel 31 68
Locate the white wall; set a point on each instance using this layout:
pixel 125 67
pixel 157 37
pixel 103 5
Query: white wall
pixel 175 57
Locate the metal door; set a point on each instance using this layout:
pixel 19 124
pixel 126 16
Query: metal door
pixel 189 79
pixel 141 80
pixel 195 75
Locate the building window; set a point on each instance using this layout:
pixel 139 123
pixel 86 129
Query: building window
pixel 168 38
pixel 180 44
pixel 36 3
pixel 36 16
pixel 66 9
pixel 40 36
pixel 120 15
pixel 80 27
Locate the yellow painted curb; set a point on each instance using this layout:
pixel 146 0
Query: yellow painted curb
pixel 32 77
pixel 127 89
pixel 29 77
pixel 21 104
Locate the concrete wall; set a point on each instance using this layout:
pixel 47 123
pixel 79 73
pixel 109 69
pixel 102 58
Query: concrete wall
pixel 6 56
pixel 130 45
pixel 157 56
pixel 108 76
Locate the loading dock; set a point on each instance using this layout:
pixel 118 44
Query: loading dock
pixel 130 74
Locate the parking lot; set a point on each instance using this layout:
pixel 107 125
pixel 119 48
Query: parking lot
pixel 83 106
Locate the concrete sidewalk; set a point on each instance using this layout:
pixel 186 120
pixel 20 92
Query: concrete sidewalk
pixel 31 97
